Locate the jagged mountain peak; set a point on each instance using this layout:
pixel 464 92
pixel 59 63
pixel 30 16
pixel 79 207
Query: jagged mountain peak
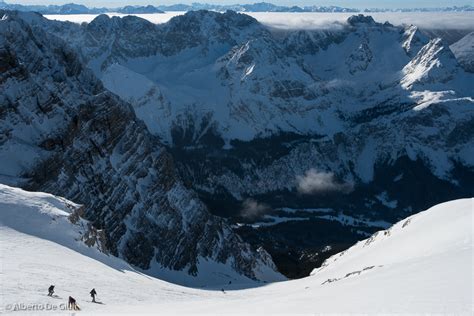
pixel 26 17
pixel 433 64
pixel 24 42
pixel 100 20
pixel 127 20
pixel 130 24
pixel 229 18
pixel 131 9
pixel 78 140
pixel 207 28
pixel 14 13
pixel 354 100
pixel 464 51
pixel 361 19
pixel 413 39
pixel 366 21
pixel 307 64
pixel 131 36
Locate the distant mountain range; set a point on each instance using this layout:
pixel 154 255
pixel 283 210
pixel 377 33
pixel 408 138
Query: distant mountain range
pixel 255 7
pixel 72 8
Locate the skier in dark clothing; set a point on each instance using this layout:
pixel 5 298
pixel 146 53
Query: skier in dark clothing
pixel 51 290
pixel 71 304
pixel 93 294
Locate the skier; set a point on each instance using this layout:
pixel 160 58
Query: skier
pixel 93 294
pixel 71 304
pixel 51 290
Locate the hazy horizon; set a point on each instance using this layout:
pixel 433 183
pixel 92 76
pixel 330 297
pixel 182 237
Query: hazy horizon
pixel 358 4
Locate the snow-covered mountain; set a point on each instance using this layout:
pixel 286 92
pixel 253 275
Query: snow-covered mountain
pixel 70 8
pixel 370 121
pixel 254 7
pixel 231 66
pixel 149 9
pixel 423 264
pixel 62 132
pixel 464 51
pixel 248 112
pixel 73 8
pixel 236 81
pixel 60 221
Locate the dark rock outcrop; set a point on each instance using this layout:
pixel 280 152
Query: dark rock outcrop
pixel 79 141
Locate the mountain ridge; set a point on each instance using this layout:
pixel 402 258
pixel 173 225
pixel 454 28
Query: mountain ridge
pixel 388 136
pixel 372 122
pixel 72 8
pixel 463 50
pixel 65 134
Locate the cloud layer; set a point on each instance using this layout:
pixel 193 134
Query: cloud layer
pixel 316 20
pixel 252 209
pixel 285 20
pixel 315 181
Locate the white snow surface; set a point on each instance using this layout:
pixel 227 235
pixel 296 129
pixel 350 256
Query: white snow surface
pixel 422 264
pixel 45 216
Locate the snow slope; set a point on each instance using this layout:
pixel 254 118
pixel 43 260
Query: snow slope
pixel 39 246
pixel 464 51
pixel 47 217
pixel 421 265
pixel 57 220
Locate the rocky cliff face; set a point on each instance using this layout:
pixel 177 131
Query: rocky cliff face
pixel 464 51
pixel 292 132
pixel 365 94
pixel 63 133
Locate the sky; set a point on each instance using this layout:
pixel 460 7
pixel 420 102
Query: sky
pixel 342 3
